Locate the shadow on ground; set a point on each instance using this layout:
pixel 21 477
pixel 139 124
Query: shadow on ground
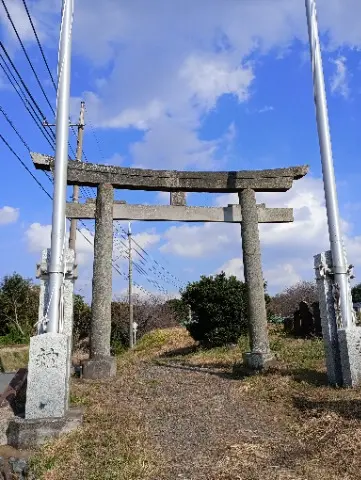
pixel 350 409
pixel 239 372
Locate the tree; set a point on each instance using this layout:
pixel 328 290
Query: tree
pixel 19 302
pixel 219 309
pixel 356 293
pixel 82 318
pixel 179 309
pixel 287 302
pixel 149 314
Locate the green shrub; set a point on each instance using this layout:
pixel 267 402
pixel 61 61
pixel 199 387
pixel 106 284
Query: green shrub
pixel 219 309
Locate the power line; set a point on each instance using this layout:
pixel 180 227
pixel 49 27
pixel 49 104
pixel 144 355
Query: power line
pixel 26 168
pixel 39 43
pixel 46 62
pixel 115 266
pixel 43 91
pixel 28 106
pixel 26 145
pixel 27 56
pixel 22 81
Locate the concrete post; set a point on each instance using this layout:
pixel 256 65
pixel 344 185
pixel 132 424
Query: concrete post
pixel 47 412
pixel 324 280
pixel 342 345
pixel 101 364
pixel 71 274
pixel 260 355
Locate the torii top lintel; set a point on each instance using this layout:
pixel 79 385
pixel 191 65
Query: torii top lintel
pixel 90 174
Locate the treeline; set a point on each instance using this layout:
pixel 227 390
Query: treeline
pixel 218 306
pixel 19 305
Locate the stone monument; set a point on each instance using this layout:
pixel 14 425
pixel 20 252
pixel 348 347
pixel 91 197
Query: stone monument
pixel 47 412
pixel 342 346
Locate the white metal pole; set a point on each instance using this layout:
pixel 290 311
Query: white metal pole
pixel 61 163
pixel 130 290
pixel 333 216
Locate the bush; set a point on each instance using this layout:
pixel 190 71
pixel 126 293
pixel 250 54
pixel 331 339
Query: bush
pixel 219 309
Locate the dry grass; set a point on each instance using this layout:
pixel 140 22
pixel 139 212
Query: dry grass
pixel 13 357
pixel 319 427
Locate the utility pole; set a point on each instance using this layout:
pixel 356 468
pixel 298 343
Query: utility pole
pixel 56 270
pixel 130 289
pixel 79 151
pixel 340 268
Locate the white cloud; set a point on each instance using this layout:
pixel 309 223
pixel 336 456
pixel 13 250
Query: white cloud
pixel 8 215
pixel 209 79
pixel 159 66
pixel 197 241
pixel 115 159
pixel 233 267
pixel 19 17
pixel 266 108
pixel 340 79
pixel 38 238
pixel 147 239
pixel 281 276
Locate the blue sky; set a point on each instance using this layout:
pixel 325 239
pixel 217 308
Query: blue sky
pixel 206 85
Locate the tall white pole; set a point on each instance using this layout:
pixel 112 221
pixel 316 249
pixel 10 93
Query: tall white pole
pixel 61 163
pixel 130 290
pixel 333 216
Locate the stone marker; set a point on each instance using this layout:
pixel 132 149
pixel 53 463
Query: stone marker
pixel 342 346
pixel 350 352
pixel 71 274
pixel 323 266
pixel 317 318
pixel 307 320
pixel 47 412
pixel 47 392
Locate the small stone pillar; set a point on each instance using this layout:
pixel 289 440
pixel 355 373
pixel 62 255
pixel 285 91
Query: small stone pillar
pixel 101 364
pixel 342 346
pixel 260 356
pixel 324 280
pixel 47 413
pixel 71 274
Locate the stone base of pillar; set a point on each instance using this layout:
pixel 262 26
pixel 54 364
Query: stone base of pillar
pixel 26 434
pixel 99 368
pixel 258 361
pixel 350 352
pixel 47 393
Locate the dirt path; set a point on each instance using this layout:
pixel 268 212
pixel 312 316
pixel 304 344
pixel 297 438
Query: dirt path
pixel 194 419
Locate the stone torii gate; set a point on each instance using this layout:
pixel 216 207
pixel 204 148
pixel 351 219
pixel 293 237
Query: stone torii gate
pixel 104 210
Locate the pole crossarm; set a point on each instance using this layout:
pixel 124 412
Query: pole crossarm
pixel 88 174
pixel 164 213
